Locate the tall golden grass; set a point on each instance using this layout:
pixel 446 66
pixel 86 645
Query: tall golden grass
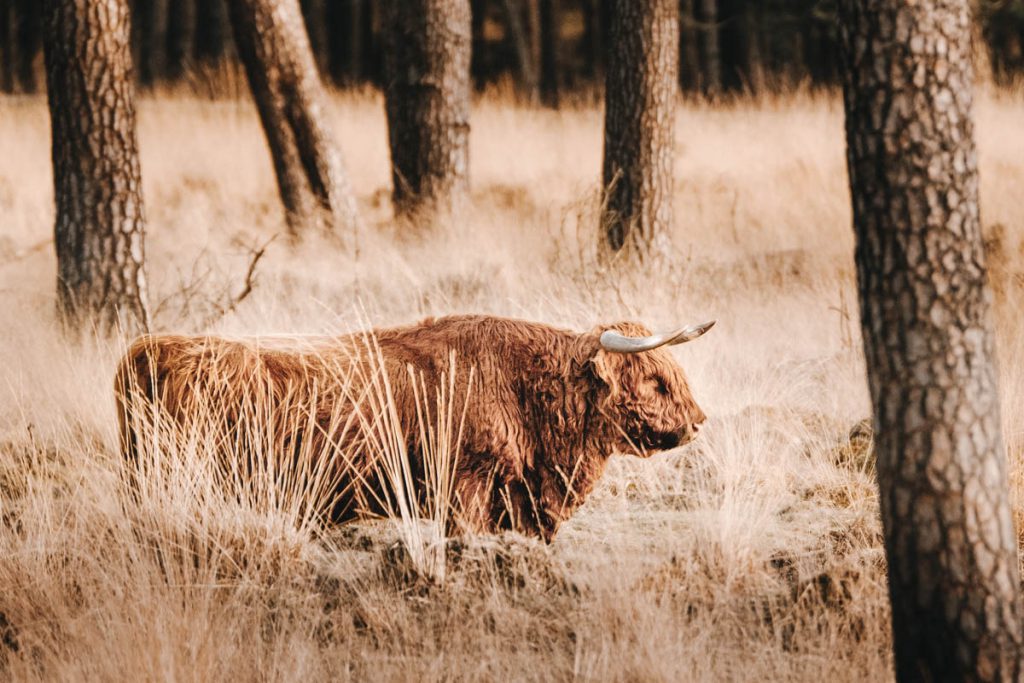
pixel 753 553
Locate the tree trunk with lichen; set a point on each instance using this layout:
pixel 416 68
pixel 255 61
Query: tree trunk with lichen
pixel 427 102
pixel 639 128
pixel 100 223
pixel 949 536
pixel 272 44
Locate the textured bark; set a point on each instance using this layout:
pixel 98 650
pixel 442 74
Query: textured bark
pixel 100 224
pixel 427 99
pixel 949 536
pixel 549 61
pixel 639 128
pixel 711 56
pixel 274 48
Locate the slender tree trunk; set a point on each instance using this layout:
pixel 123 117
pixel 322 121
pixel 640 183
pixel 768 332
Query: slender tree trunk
pixel 181 37
pixel 689 54
pixel 427 99
pixel 550 67
pixel 949 536
pixel 711 56
pixel 274 48
pixel 100 224
pixel 639 128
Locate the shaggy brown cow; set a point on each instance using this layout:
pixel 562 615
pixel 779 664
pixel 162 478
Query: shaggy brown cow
pixel 546 407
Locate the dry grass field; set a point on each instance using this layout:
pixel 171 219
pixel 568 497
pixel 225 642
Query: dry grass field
pixel 753 553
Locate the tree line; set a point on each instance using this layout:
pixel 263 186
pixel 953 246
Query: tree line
pixel 547 49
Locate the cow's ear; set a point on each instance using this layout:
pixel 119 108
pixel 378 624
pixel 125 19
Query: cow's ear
pixel 608 368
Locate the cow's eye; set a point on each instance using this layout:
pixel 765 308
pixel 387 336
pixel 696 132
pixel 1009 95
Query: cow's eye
pixel 660 385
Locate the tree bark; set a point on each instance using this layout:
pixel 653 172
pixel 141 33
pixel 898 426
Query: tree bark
pixel 100 223
pixel 427 100
pixel 949 536
pixel 711 56
pixel 273 46
pixel 639 129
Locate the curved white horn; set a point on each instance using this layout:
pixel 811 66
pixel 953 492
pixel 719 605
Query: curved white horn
pixel 616 342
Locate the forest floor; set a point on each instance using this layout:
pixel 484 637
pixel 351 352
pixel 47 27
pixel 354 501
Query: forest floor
pixel 753 553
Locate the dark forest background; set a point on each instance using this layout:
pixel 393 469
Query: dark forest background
pixel 545 49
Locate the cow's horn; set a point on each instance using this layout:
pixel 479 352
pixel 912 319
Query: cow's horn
pixel 616 342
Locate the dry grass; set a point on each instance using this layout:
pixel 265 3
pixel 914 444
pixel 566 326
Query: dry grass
pixel 751 554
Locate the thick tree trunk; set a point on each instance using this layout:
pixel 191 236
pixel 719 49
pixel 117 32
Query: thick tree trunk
pixel 711 56
pixel 274 48
pixel 949 537
pixel 549 58
pixel 427 99
pixel 639 128
pixel 100 224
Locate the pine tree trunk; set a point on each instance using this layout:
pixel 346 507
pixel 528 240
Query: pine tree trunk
pixel 274 48
pixel 549 61
pixel 100 224
pixel 427 99
pixel 711 56
pixel 949 536
pixel 639 130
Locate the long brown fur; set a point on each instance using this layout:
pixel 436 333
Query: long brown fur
pixel 545 409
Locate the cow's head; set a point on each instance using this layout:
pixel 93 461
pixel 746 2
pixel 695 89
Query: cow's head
pixel 642 391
